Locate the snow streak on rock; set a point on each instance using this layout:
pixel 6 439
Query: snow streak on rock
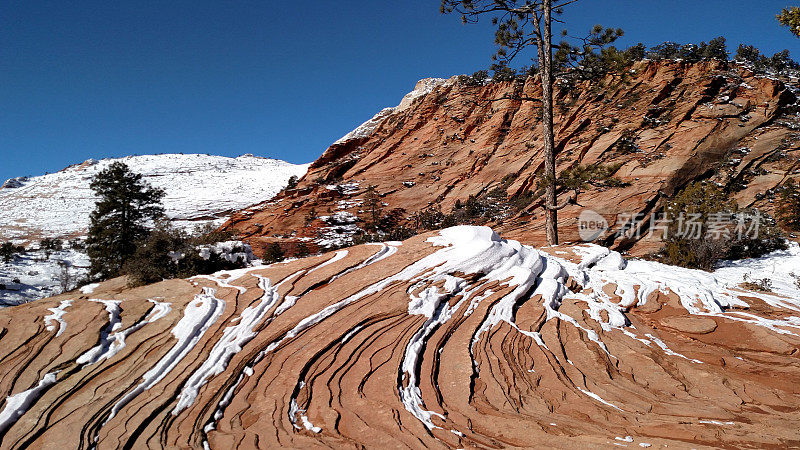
pixel 231 342
pixel 18 404
pixel 58 316
pixel 198 316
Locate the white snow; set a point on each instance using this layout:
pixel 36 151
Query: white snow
pixel 89 288
pixel 58 316
pixel 111 342
pixel 199 189
pixel 422 88
pixel 339 218
pixel 337 236
pixel 701 293
pixel 715 422
pixel 294 410
pixel 39 276
pixel 198 316
pixel 231 251
pixel 18 404
pixel 231 342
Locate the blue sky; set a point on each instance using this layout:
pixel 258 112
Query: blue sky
pixel 94 79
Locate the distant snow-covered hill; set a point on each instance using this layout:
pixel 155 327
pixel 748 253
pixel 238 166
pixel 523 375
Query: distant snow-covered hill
pixel 199 189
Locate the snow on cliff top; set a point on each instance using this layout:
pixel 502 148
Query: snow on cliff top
pixel 423 87
pixel 199 189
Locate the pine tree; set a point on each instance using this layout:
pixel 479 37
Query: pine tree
pixel 373 206
pixel 520 24
pixel 7 252
pixel 50 246
pixel 790 17
pixel 119 221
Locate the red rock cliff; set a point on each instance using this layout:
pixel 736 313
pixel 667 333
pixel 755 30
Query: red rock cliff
pixel 447 141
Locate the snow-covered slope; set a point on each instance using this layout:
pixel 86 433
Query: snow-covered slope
pixel 34 275
pixel 199 189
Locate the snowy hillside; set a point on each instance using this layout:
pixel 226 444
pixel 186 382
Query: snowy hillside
pixel 34 275
pixel 199 189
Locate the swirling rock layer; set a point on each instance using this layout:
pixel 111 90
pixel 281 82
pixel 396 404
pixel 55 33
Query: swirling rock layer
pixel 458 339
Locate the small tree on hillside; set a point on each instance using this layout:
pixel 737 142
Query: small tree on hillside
pixel 8 251
pixel 50 246
pixel 521 24
pixel 274 253
pixel 65 279
pixel 789 207
pixel 373 206
pixel 120 218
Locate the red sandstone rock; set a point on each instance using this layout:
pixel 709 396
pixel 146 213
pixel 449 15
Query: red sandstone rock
pixel 454 142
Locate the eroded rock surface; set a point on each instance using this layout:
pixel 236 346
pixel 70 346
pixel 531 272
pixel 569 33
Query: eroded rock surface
pixel 455 339
pixel 666 124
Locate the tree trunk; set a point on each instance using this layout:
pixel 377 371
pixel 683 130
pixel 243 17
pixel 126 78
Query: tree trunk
pixel 546 69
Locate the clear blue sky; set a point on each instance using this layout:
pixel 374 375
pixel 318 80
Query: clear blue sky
pixel 94 79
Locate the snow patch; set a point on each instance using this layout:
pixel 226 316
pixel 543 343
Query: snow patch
pixel 58 316
pixel 89 288
pixel 198 316
pixel 19 404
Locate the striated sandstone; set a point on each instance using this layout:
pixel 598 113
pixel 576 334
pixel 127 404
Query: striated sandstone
pixel 462 341
pixel 705 121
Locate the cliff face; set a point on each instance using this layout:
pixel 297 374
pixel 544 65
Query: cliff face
pixel 455 339
pixel 666 124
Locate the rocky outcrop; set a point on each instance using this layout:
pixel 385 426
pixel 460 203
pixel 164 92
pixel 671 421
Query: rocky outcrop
pixel 451 339
pixel 664 123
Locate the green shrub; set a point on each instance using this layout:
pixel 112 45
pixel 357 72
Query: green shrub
pixel 789 206
pixel 476 79
pixel 9 251
pixel 627 142
pixel 705 226
pixel 430 218
pixel 210 234
pixel 169 253
pixel 302 250
pixel 50 246
pixel 581 177
pixel 779 62
pixel 274 253
pixel 715 49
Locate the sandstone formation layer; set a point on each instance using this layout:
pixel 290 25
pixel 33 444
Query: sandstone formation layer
pixel 454 339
